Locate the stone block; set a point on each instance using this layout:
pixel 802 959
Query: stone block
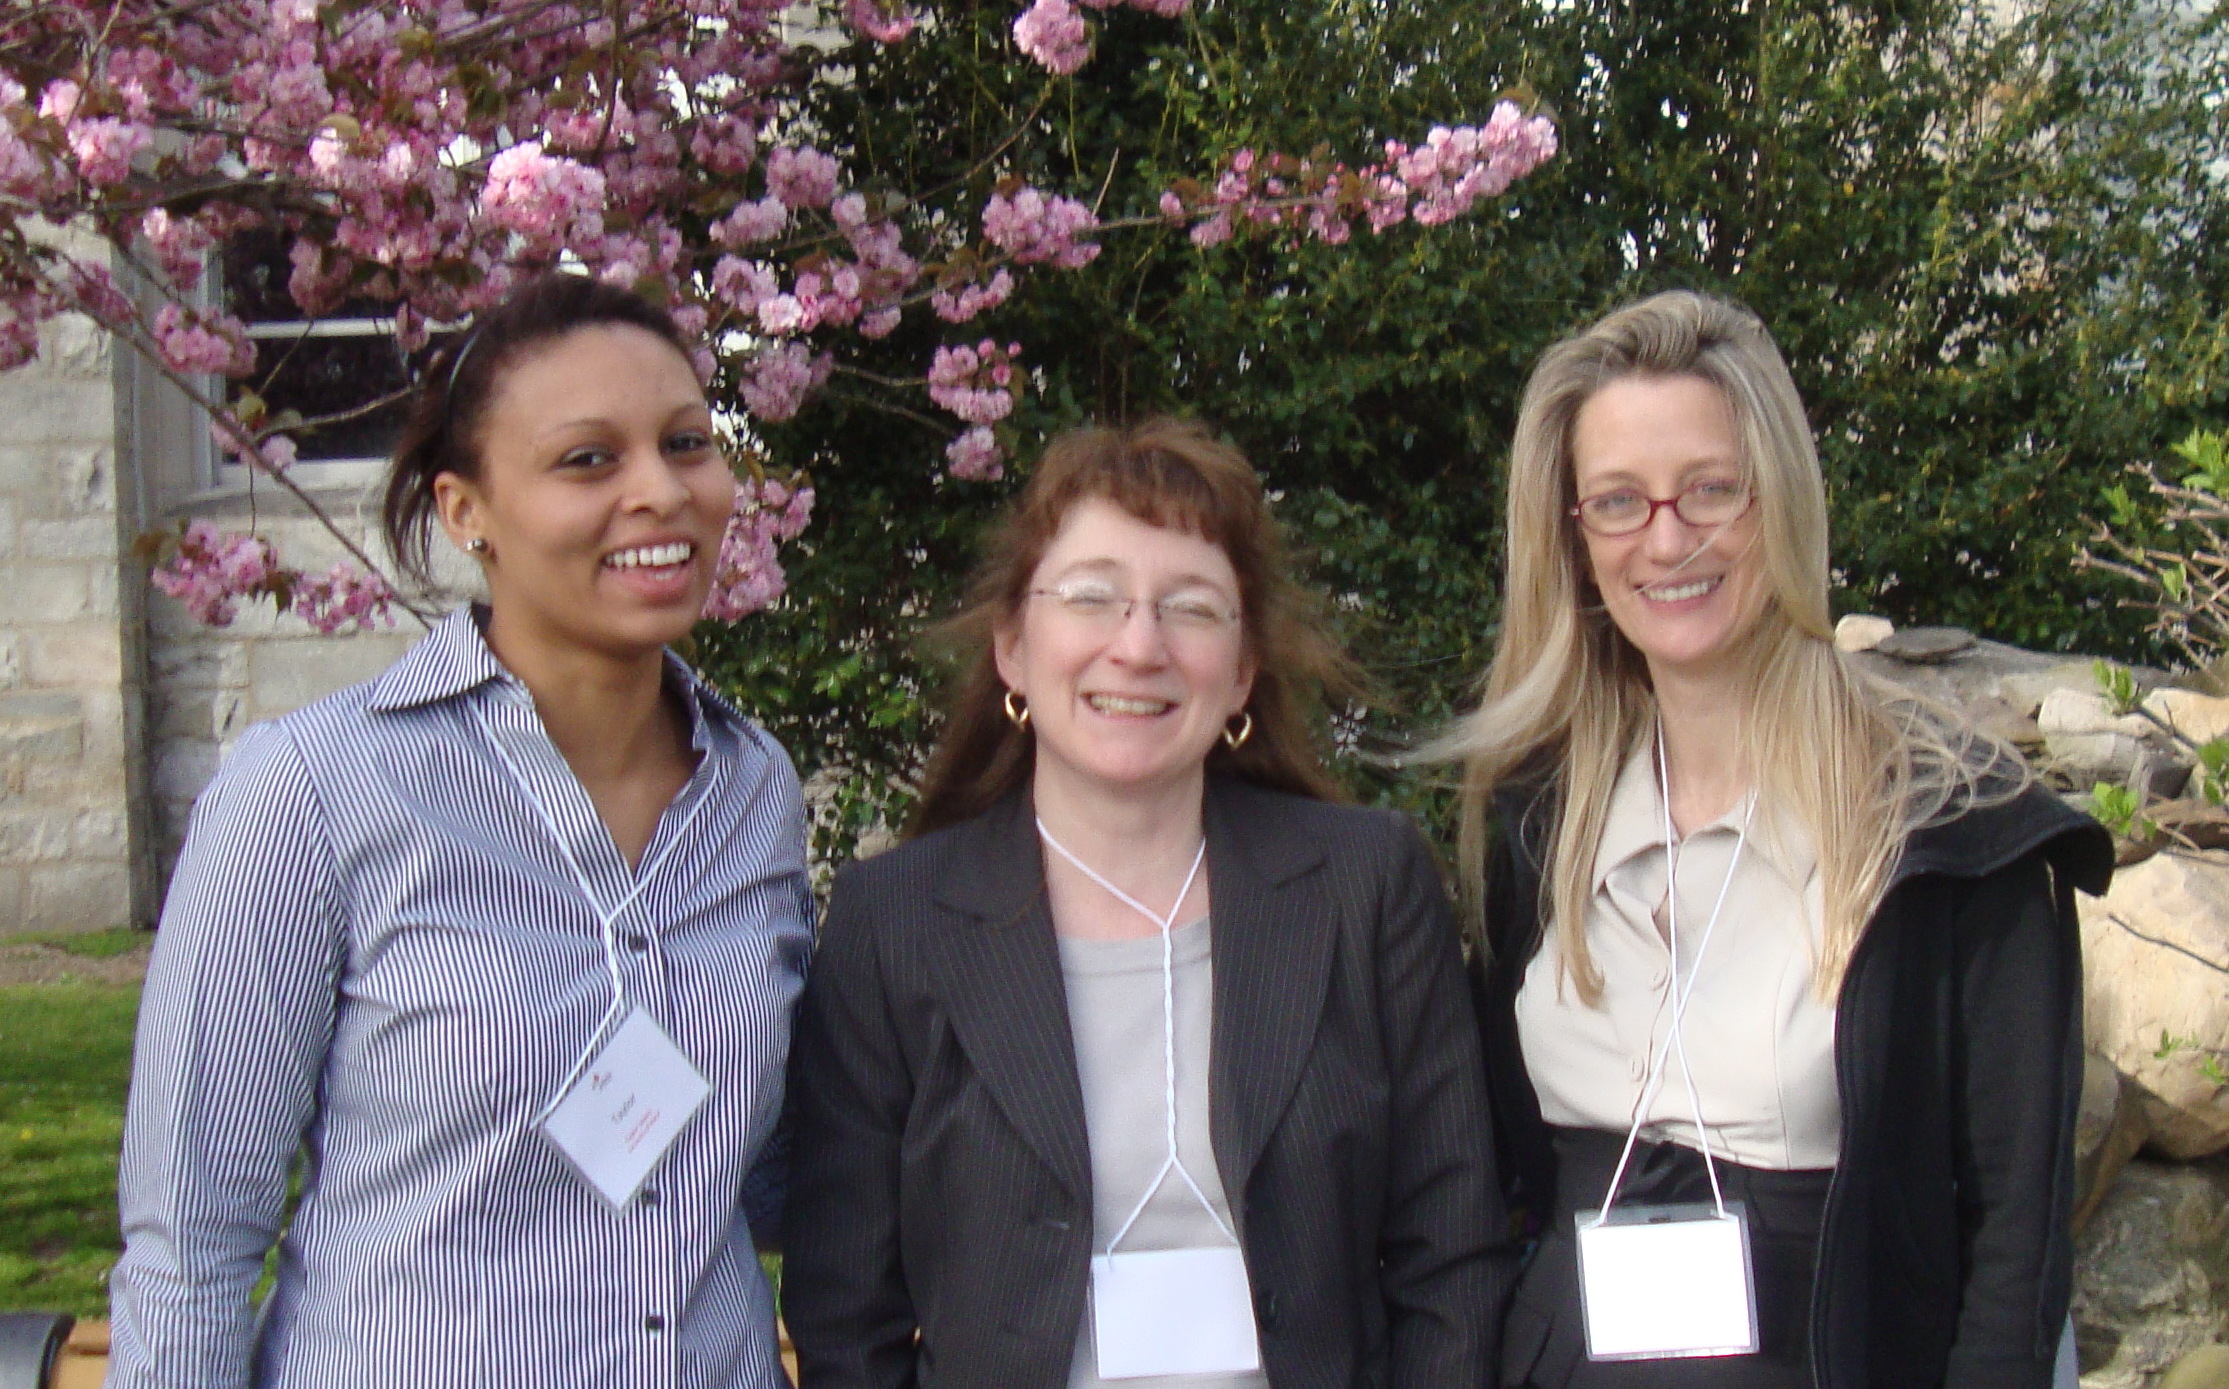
pixel 92 538
pixel 81 895
pixel 71 781
pixel 85 655
pixel 48 739
pixel 41 410
pixel 74 346
pixel 286 675
pixel 86 481
pixel 203 661
pixel 64 592
pixel 201 715
pixel 34 834
pixel 10 513
pixel 101 834
pixel 11 660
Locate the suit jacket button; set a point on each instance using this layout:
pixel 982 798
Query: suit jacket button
pixel 1265 1310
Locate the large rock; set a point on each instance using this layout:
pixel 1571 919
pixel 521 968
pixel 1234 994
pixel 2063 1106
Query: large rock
pixel 2156 966
pixel 2151 1273
pixel 2107 1133
pixel 2198 717
pixel 2088 743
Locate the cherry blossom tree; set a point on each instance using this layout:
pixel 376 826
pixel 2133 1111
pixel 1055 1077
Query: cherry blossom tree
pixel 427 154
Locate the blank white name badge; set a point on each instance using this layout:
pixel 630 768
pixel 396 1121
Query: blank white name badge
pixel 627 1108
pixel 1657 1282
pixel 1173 1312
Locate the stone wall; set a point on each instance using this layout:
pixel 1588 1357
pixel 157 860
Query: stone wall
pixel 72 824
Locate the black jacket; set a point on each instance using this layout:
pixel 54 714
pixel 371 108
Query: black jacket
pixel 940 1216
pixel 1946 1255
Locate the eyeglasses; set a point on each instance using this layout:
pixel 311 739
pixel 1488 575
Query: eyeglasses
pixel 1095 605
pixel 1712 501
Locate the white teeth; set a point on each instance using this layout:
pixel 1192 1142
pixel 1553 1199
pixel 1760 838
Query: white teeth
pixel 1118 704
pixel 1683 592
pixel 651 556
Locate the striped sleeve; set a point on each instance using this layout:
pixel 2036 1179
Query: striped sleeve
pixel 235 1023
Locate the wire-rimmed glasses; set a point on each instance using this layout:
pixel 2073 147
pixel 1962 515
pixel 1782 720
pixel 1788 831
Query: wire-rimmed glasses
pixel 1189 612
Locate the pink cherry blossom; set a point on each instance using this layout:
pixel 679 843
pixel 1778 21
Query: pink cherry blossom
pixel 975 456
pixel 979 384
pixel 751 222
pixel 1053 35
pixel 105 148
pixel 1036 229
pixel 344 598
pixel 215 344
pixel 543 198
pixel 802 177
pixel 961 304
pixel 780 378
pixel 880 20
pixel 749 574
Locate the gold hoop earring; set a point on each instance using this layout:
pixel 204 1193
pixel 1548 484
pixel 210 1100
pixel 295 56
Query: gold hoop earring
pixel 1017 712
pixel 1234 739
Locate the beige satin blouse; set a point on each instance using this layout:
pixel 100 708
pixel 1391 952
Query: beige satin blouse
pixel 1759 1040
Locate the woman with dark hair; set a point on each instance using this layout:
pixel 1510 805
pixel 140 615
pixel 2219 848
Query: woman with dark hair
pixel 1780 980
pixel 1143 1059
pixel 493 955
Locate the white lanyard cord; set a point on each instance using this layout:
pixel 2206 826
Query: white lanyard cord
pixel 609 919
pixel 1680 993
pixel 1168 1029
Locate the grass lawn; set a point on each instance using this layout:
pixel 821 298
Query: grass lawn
pixel 65 1059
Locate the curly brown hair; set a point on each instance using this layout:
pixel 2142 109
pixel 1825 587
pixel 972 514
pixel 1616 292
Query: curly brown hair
pixel 1169 473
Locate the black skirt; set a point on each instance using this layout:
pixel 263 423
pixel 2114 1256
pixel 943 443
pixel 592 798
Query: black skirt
pixel 1545 1344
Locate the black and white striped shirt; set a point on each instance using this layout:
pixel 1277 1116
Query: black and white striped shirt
pixel 375 956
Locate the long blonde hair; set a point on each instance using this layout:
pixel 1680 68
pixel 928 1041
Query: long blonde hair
pixel 1853 764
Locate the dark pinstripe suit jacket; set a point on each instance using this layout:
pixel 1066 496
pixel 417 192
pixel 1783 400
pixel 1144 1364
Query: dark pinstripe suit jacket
pixel 939 1225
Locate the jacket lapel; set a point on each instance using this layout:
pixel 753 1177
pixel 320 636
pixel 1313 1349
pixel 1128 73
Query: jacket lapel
pixel 1272 946
pixel 998 971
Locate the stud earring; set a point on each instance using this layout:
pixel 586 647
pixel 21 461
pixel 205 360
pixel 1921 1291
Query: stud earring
pixel 1235 738
pixel 1017 711
pixel 477 545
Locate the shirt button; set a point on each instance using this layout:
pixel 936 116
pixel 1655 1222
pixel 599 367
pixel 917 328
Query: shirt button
pixel 1636 1069
pixel 650 1196
pixel 653 1324
pixel 637 942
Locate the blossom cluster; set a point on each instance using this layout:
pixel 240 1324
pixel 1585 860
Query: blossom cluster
pixel 979 383
pixel 1434 182
pixel 749 574
pixel 211 572
pixel 1039 230
pixel 1054 34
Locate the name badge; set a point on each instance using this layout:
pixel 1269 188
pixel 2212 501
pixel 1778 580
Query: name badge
pixel 626 1109
pixel 1173 1312
pixel 1657 1282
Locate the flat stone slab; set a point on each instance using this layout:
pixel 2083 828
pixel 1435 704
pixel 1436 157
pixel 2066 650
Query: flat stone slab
pixel 1927 646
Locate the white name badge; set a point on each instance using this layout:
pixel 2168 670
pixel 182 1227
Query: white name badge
pixel 1173 1312
pixel 627 1108
pixel 1657 1282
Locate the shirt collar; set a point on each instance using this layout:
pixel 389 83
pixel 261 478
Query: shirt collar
pixel 1634 824
pixel 454 659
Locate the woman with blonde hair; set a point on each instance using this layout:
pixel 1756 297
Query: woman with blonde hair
pixel 1143 1060
pixel 1779 981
